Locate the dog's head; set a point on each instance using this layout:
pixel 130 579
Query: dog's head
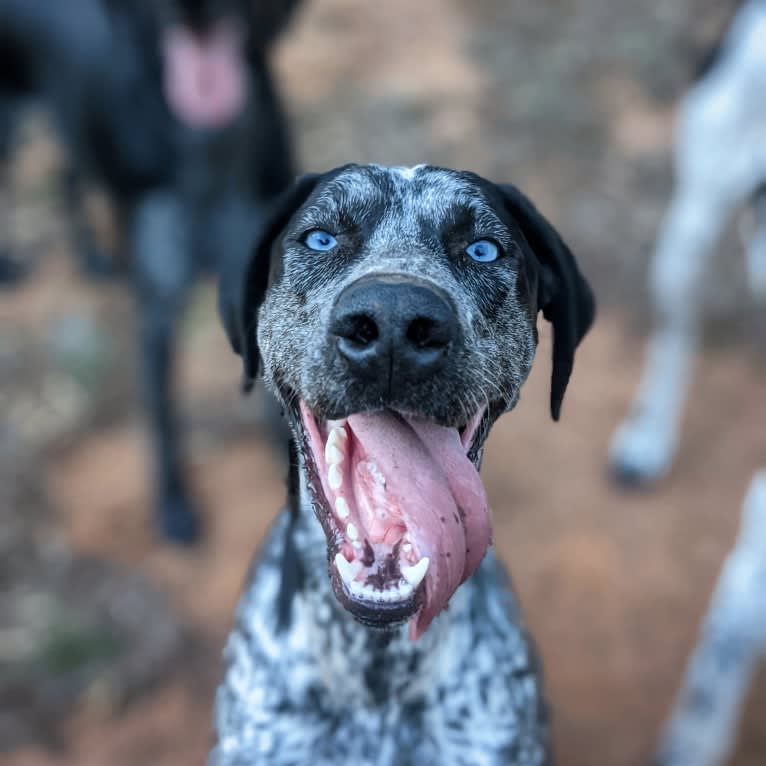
pixel 262 20
pixel 394 312
pixel 207 48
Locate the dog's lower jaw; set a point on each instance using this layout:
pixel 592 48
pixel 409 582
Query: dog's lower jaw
pixel 324 689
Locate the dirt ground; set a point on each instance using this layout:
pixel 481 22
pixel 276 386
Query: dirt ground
pixel 573 101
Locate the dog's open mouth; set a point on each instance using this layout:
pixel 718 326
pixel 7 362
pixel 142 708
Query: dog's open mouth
pixel 403 509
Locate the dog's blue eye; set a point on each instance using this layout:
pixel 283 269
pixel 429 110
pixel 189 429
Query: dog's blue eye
pixel 483 251
pixel 320 240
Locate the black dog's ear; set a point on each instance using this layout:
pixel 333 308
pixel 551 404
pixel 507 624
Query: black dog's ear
pixel 563 295
pixel 243 284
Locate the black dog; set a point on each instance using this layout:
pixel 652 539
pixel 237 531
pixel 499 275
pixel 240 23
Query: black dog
pixel 172 107
pixel 394 314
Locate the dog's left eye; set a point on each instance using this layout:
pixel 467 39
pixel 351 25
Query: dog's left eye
pixel 483 251
pixel 320 240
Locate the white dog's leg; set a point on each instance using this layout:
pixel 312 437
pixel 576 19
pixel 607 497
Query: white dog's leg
pixel 643 447
pixel 703 725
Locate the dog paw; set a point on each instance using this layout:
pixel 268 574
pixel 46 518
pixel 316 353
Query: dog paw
pixel 179 521
pixel 640 454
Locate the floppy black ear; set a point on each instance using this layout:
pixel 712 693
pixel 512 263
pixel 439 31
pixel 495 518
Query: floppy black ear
pixel 243 283
pixel 563 295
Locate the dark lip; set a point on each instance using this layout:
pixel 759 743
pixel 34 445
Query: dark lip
pixel 380 615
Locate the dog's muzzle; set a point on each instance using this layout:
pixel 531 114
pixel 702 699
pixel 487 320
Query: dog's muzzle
pixel 397 492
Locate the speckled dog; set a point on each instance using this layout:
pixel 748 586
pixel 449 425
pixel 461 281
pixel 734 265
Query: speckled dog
pixel 394 312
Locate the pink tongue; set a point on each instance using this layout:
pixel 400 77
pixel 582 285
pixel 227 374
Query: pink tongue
pixel 440 495
pixel 204 77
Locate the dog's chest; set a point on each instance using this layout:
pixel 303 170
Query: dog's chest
pixel 329 691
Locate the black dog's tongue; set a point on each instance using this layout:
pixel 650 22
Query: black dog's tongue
pixel 205 79
pixel 440 495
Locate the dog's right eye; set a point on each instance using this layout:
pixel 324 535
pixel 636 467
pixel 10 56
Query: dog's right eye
pixel 320 240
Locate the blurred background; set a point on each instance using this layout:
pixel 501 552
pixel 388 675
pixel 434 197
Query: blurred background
pixel 110 641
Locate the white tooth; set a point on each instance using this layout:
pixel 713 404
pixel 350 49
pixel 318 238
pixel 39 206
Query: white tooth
pixel 335 477
pixel 339 431
pixel 332 454
pixel 415 574
pixel 407 548
pixel 341 507
pixel 348 569
pixel 357 545
pixel 337 437
pixel 352 532
pixel 356 587
pixel 335 450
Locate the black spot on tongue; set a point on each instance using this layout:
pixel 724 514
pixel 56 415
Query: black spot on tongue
pixel 387 572
pixel 368 556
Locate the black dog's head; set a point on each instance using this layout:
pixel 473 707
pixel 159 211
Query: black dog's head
pixel 259 20
pixel 207 49
pixel 263 19
pixel 394 312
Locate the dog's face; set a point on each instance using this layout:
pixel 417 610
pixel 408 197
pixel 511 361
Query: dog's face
pixel 206 47
pixel 396 320
pixel 262 19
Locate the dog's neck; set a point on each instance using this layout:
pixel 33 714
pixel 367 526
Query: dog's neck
pixel 308 604
pixel 320 688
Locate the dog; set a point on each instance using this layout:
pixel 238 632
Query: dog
pixel 720 163
pixel 172 107
pixel 393 313
pixel 702 728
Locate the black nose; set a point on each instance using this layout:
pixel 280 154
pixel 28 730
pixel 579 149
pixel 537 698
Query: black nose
pixel 390 326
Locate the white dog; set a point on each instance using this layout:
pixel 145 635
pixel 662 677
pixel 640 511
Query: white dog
pixel 720 163
pixel 733 638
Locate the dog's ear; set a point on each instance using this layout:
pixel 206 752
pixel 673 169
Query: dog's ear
pixel 563 295
pixel 243 284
